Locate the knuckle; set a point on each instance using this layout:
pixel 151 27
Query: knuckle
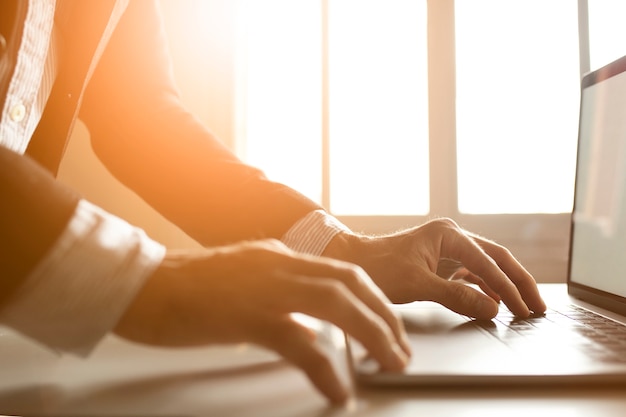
pixel 445 223
pixel 270 250
pixel 394 324
pixel 378 334
pixel 386 332
pixel 459 292
pixel 347 275
pixel 500 252
pixel 442 226
pixel 271 245
pixel 333 291
pixel 353 275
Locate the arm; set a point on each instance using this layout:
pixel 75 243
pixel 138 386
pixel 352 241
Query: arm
pixel 68 270
pixel 246 292
pixel 165 303
pixel 34 210
pixel 84 279
pixel 145 137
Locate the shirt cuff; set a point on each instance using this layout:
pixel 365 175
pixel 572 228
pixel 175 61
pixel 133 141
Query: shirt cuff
pixel 79 291
pixel 312 233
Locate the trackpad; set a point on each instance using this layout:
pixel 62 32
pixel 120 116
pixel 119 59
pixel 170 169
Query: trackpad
pixel 445 345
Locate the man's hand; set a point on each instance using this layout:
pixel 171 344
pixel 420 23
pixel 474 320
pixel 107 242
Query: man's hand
pixel 246 292
pixel 409 266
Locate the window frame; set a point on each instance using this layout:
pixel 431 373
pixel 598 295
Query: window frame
pixel 539 240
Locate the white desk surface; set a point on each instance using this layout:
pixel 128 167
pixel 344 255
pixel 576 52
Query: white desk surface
pixel 125 380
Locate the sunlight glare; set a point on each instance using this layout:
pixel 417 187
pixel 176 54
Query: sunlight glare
pixel 606 31
pixel 517 105
pixel 282 79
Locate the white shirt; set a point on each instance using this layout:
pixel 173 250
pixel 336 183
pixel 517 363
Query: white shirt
pixel 83 285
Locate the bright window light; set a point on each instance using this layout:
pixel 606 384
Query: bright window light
pixel 517 105
pixel 378 100
pixel 280 101
pixel 606 31
pixel 378 107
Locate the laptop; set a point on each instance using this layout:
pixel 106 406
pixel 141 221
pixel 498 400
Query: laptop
pixel 582 336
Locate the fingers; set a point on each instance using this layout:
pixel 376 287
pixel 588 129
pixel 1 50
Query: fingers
pixel 449 268
pixel 341 293
pixel 362 287
pixel 361 294
pixel 294 342
pixel 331 300
pixel 523 280
pixel 505 277
pixel 467 276
pixel 453 270
pixel 457 244
pixel 462 299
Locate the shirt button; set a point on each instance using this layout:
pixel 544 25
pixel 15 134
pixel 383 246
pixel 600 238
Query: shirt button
pixel 17 113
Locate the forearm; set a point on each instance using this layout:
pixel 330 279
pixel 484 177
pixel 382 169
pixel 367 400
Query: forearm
pixel 182 171
pixel 68 269
pixel 76 294
pixel 34 210
pixel 151 143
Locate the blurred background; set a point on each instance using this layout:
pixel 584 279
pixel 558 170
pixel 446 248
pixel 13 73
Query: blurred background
pixel 391 112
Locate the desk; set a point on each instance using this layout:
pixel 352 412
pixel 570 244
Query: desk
pixel 126 380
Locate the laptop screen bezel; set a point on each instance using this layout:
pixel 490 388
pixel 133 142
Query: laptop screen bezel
pixel 603 299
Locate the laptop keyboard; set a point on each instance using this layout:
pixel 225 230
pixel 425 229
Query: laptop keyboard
pixel 597 337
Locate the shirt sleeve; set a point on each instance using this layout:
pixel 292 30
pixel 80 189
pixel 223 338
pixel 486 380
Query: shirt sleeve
pixel 312 233
pixel 78 292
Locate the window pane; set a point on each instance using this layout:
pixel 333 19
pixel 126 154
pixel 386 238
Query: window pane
pixel 378 107
pixel 607 31
pixel 517 105
pixel 280 91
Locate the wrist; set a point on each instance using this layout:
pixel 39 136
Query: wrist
pixel 313 232
pixel 343 246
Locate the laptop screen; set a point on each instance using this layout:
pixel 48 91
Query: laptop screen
pixel 598 245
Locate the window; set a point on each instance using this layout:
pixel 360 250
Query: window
pixel 606 31
pixel 376 99
pixel 378 107
pixel 280 91
pixel 517 105
pixel 392 112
